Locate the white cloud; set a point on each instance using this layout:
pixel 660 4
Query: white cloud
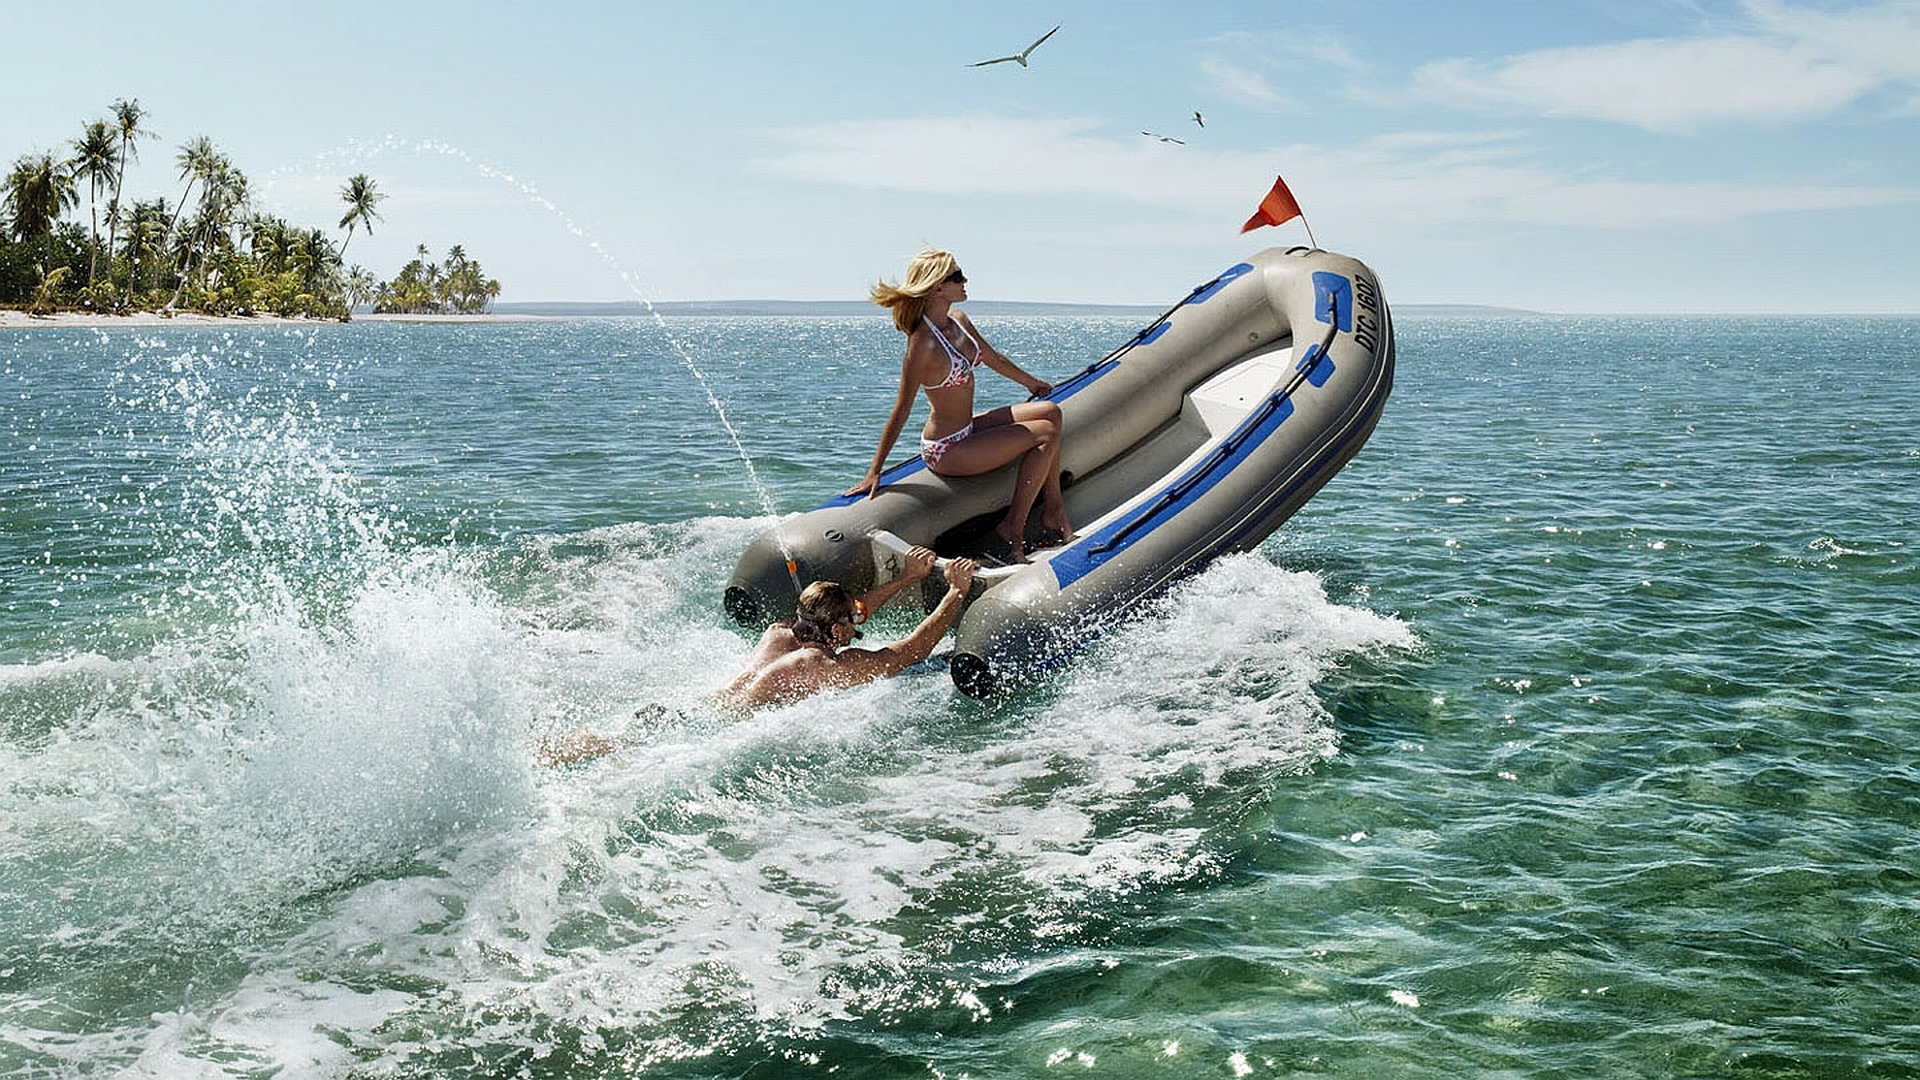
pixel 1489 179
pixel 1407 178
pixel 1665 85
pixel 1794 65
pixel 1883 40
pixel 1013 157
pixel 1241 84
pixel 1245 67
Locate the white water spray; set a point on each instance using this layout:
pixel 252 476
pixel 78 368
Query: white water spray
pixel 392 144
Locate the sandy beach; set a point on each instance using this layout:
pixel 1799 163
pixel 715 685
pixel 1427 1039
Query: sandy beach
pixel 11 319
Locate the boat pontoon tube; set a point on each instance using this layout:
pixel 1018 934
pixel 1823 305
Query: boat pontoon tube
pixel 1199 436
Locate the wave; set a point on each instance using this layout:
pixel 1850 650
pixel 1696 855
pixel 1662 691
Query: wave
pixel 348 812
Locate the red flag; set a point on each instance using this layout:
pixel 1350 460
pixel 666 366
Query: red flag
pixel 1278 206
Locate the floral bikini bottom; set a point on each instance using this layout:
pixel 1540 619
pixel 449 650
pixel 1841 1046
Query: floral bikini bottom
pixel 932 450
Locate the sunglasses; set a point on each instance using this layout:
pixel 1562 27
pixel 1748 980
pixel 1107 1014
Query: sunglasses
pixel 956 278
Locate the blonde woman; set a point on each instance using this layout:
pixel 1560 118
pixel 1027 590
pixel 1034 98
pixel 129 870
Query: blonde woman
pixel 943 348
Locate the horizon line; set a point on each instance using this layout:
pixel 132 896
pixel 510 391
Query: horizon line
pixel 867 307
pixel 609 308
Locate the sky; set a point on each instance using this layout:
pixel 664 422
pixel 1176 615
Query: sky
pixel 1572 156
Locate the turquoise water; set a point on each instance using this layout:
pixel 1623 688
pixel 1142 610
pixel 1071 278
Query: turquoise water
pixel 1568 732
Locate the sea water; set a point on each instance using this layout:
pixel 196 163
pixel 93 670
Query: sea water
pixel 1568 732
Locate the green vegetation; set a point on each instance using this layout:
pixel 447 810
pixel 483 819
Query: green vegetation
pixel 211 251
pixel 424 287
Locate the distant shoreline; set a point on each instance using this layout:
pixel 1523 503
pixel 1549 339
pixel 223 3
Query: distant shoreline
pixel 533 312
pixel 11 319
pixel 1008 308
pixel 628 308
pixel 560 312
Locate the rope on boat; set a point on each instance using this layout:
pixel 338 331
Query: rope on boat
pixel 1227 447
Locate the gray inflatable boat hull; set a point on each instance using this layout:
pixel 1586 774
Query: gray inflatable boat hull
pixel 1198 437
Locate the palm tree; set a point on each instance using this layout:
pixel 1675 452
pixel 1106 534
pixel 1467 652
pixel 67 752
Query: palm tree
pixel 38 192
pixel 45 291
pixel 361 198
pixel 223 200
pixel 430 278
pixel 127 115
pixel 465 289
pixel 318 257
pixel 268 242
pixel 198 160
pixel 414 290
pixel 361 286
pixel 146 240
pixel 96 159
pixel 321 273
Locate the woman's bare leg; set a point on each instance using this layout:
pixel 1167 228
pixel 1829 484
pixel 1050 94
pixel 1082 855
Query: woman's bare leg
pixel 1027 485
pixel 1001 436
pixel 1053 506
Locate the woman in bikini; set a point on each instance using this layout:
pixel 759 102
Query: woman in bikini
pixel 943 348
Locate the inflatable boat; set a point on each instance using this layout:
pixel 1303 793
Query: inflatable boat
pixel 1197 437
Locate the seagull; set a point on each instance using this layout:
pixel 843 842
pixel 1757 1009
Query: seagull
pixel 1164 138
pixel 1197 120
pixel 1020 57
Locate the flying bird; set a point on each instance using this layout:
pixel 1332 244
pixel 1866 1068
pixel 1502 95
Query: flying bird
pixel 1021 56
pixel 1197 120
pixel 1164 138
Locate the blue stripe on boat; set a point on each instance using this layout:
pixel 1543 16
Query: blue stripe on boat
pixel 1092 551
pixel 1333 291
pixel 891 476
pixel 1212 288
pixel 1081 381
pixel 1060 656
pixel 1316 365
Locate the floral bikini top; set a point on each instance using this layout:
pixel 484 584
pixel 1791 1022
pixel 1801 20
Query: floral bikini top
pixel 960 369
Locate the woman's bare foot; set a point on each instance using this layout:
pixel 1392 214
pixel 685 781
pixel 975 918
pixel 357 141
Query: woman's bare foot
pixel 1016 544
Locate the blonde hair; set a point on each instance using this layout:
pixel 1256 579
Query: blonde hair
pixel 908 300
pixel 822 605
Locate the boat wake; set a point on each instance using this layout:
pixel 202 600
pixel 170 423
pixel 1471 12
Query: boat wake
pixel 278 821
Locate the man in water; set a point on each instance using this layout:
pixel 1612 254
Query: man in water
pixel 779 639
pixel 808 654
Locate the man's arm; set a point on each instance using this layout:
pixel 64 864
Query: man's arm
pixel 803 672
pixel 867 664
pixel 918 564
